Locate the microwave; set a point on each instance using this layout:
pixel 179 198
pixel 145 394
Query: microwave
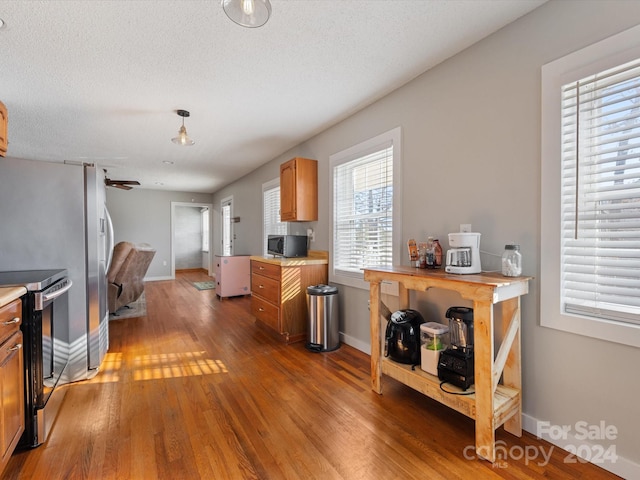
pixel 288 246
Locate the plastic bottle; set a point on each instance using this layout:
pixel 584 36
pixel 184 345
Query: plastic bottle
pixel 422 252
pixel 437 248
pixel 511 261
pixel 413 252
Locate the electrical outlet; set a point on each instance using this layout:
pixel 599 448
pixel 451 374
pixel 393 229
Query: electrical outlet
pixel 465 227
pixel 311 234
pixel 164 263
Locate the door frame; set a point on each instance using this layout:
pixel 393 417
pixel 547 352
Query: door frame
pixel 227 200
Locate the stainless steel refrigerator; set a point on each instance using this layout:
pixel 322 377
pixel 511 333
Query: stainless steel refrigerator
pixel 53 215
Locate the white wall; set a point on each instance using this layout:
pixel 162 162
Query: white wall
pixel 471 154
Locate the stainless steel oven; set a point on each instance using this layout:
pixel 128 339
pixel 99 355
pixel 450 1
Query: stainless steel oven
pixel 45 310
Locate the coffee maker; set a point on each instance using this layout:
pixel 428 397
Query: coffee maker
pixel 456 362
pixel 464 254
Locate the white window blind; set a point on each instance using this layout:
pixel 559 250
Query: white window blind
pixel 600 251
pixel 363 211
pixel 271 213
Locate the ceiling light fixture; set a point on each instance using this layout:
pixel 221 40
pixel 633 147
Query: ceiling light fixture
pixel 182 138
pixel 248 13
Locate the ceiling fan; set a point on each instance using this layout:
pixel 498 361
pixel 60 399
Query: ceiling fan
pixel 122 184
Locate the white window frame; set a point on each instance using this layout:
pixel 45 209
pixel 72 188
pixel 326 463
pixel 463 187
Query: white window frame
pixel 395 137
pixel 284 226
pixel 609 53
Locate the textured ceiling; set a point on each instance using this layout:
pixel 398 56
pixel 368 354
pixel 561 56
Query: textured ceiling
pixel 100 81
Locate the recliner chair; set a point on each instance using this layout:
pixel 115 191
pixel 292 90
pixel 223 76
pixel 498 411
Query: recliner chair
pixel 125 278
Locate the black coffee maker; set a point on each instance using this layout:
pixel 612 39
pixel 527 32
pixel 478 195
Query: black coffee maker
pixel 402 339
pixel 456 362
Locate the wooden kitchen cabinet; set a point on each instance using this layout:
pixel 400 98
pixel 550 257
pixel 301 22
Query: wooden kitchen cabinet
pixel 279 293
pixel 11 380
pixel 4 142
pixel 299 190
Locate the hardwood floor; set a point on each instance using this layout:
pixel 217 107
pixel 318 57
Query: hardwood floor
pixel 196 390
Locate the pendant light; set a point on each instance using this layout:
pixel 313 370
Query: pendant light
pixel 248 13
pixel 182 138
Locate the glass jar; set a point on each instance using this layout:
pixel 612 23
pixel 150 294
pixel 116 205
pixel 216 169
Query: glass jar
pixel 431 254
pixel 511 261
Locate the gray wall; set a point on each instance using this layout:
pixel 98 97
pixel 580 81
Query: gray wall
pixel 144 216
pixel 471 154
pixel 43 227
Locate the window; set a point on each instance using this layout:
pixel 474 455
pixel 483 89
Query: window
pixel 591 191
pixel 271 212
pixel 226 210
pixel 366 214
pixel 204 219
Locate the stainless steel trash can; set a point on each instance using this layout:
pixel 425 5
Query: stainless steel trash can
pixel 322 307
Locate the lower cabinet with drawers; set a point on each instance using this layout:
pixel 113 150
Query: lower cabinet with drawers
pixel 278 293
pixel 11 380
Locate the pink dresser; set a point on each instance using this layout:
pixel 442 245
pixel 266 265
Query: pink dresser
pixel 233 275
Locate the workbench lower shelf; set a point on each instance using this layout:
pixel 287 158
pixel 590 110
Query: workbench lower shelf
pixel 506 400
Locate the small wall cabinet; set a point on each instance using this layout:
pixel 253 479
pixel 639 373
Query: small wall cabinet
pixel 233 276
pixel 299 190
pixel 11 380
pixel 4 142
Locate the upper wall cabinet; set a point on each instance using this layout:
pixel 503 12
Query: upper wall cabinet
pixel 3 130
pixel 299 190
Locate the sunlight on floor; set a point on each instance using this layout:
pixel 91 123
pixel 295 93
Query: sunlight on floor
pixel 109 370
pixel 166 365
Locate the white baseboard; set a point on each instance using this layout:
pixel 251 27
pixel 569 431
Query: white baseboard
pixel 156 279
pixel 355 343
pixel 602 454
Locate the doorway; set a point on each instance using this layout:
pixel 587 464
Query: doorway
pixel 191 236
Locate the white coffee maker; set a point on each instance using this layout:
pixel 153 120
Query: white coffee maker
pixel 464 254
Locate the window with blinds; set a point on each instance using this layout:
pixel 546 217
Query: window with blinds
pixel 600 195
pixel 366 228
pixel 363 212
pixel 271 212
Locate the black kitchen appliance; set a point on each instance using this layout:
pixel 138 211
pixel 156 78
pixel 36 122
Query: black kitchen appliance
pixel 456 362
pixel 402 339
pixel 288 246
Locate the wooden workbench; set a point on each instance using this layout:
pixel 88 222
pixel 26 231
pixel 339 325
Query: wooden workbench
pixel 493 403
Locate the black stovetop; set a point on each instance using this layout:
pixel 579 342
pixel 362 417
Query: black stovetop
pixel 32 280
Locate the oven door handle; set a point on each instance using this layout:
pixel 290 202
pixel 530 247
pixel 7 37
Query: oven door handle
pixel 52 296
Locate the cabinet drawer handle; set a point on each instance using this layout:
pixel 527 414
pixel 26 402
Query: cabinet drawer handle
pixel 261 268
pixel 11 322
pixel 17 346
pixel 260 286
pixel 261 309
